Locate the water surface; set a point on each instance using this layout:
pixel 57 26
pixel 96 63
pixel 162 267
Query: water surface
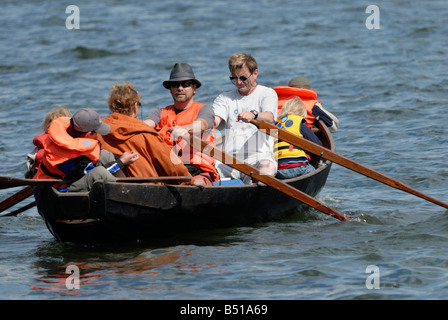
pixel 387 87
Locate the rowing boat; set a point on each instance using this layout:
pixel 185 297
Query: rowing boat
pixel 136 212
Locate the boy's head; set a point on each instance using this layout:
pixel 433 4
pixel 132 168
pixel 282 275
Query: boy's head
pixel 87 120
pixel 56 112
pixel 293 106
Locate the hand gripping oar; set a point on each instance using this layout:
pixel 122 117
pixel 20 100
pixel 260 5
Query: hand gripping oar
pixel 249 170
pixel 341 160
pixel 10 182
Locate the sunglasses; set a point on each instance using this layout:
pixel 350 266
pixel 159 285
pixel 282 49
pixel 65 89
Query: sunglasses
pixel 242 79
pixel 184 84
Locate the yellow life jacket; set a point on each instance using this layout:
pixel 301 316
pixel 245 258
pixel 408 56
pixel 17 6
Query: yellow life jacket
pixel 283 149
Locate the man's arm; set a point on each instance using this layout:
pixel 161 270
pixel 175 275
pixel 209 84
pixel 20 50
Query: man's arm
pixel 246 116
pixel 150 123
pixel 153 118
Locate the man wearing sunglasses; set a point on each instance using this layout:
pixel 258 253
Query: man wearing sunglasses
pixel 235 109
pixel 186 117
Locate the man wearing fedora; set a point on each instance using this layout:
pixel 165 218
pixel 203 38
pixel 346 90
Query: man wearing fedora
pixel 185 117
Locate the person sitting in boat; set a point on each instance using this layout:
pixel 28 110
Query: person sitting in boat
pixel 35 157
pixel 236 108
pixel 183 118
pixel 72 151
pixel 292 161
pixel 128 133
pixel 301 87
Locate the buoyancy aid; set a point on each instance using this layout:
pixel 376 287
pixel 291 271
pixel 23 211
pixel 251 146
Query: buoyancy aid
pixel 59 147
pixel 283 149
pixel 169 118
pixel 308 97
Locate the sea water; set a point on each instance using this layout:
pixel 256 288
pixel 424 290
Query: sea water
pixel 381 70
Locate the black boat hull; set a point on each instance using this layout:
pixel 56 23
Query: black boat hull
pixel 133 211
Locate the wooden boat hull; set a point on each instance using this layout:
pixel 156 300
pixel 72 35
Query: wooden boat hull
pixel 128 211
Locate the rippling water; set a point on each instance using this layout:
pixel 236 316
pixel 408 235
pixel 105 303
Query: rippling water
pixel 387 86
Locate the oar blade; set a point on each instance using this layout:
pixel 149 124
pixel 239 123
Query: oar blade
pixel 341 160
pixel 16 198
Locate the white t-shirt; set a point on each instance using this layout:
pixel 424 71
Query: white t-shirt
pixel 243 139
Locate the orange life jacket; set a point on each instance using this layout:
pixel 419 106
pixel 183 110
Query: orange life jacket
pixel 59 147
pixel 308 97
pixel 169 118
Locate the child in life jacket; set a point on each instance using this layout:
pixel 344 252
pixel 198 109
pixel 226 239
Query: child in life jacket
pixel 72 152
pixel 35 157
pixel 293 161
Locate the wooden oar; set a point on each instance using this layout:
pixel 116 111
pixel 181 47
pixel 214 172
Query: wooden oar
pixel 16 198
pixel 24 208
pixel 249 170
pixel 341 160
pixel 10 182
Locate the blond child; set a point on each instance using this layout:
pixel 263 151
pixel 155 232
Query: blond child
pixel 292 161
pixel 35 157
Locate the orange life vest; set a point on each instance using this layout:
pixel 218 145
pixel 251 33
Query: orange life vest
pixel 59 147
pixel 169 118
pixel 308 97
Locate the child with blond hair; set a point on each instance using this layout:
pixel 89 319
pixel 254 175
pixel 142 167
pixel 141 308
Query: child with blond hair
pixel 293 161
pixel 35 157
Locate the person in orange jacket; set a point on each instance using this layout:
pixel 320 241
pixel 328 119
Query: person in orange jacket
pixel 129 134
pixel 185 117
pixel 73 152
pixel 35 157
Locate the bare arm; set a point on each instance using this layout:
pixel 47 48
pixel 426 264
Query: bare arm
pixel 217 121
pixel 150 123
pixel 246 116
pixel 197 126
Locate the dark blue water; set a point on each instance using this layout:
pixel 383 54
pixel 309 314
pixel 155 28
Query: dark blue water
pixel 387 86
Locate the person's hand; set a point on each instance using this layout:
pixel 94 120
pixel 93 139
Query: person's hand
pixel 91 135
pixel 178 132
pixel 246 116
pixel 128 158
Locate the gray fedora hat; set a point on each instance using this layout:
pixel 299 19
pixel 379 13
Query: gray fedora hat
pixel 181 72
